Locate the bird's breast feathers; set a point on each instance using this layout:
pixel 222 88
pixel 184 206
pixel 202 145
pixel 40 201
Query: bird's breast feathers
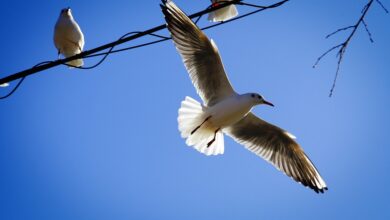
pixel 229 110
pixel 68 30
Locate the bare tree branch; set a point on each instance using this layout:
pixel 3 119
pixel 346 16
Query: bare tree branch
pixel 343 46
pixel 383 7
pixel 368 31
pixel 338 30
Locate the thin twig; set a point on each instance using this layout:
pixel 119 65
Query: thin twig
pixel 368 31
pixel 338 30
pixel 343 46
pixel 383 7
pixel 324 54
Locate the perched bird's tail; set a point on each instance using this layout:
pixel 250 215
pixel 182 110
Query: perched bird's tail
pixel 76 63
pixel 195 127
pixel 73 63
pixel 223 14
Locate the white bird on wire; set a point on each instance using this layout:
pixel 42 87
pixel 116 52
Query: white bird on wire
pixel 222 14
pixel 225 111
pixel 68 38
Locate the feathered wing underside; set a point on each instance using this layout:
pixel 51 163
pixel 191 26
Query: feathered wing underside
pixel 277 147
pixel 200 56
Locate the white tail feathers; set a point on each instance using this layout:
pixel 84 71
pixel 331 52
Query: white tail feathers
pixel 76 63
pixel 4 85
pixel 194 126
pixel 223 14
pixel 71 52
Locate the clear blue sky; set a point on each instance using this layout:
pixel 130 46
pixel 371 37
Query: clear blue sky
pixel 104 143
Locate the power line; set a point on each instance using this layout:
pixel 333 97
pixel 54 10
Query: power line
pixel 20 82
pixel 129 37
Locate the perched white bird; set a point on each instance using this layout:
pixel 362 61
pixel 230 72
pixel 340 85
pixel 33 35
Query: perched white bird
pixel 4 85
pixel 225 111
pixel 222 14
pixel 68 38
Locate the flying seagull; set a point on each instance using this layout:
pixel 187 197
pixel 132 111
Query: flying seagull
pixel 68 38
pixel 222 14
pixel 225 111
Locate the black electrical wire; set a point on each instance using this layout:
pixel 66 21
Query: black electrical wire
pixel 20 82
pixel 260 8
pixel 134 35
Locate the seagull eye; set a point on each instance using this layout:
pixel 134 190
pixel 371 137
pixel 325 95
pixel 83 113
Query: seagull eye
pixel 253 95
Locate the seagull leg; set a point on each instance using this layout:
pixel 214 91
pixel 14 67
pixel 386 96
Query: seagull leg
pixel 58 54
pixel 192 132
pixel 212 141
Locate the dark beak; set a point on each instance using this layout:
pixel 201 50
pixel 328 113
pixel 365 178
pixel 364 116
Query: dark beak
pixel 268 103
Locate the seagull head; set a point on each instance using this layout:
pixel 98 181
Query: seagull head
pixel 66 12
pixel 258 99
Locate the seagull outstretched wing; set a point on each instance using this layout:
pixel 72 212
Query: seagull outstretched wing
pixel 199 54
pixel 277 147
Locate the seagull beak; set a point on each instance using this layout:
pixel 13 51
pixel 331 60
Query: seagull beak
pixel 268 103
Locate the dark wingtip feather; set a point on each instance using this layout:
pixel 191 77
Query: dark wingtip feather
pixel 322 190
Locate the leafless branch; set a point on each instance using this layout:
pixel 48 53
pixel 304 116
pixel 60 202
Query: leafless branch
pixel 383 7
pixel 368 31
pixel 338 30
pixel 324 54
pixel 343 46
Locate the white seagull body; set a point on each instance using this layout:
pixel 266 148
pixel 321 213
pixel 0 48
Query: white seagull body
pixel 4 85
pixel 225 111
pixel 222 14
pixel 68 38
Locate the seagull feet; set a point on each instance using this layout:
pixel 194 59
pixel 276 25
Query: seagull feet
pixel 192 132
pixel 212 141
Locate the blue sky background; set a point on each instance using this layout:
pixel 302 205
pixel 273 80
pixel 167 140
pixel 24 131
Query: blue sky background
pixel 104 143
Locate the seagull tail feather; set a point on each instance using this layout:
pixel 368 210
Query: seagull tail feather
pixel 4 85
pixel 73 63
pixel 195 128
pixel 76 63
pixel 223 14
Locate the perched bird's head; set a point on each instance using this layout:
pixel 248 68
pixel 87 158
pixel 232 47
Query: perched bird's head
pixel 66 12
pixel 258 99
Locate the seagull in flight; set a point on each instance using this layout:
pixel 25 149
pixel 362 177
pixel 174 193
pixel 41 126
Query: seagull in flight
pixel 226 112
pixel 222 14
pixel 68 38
